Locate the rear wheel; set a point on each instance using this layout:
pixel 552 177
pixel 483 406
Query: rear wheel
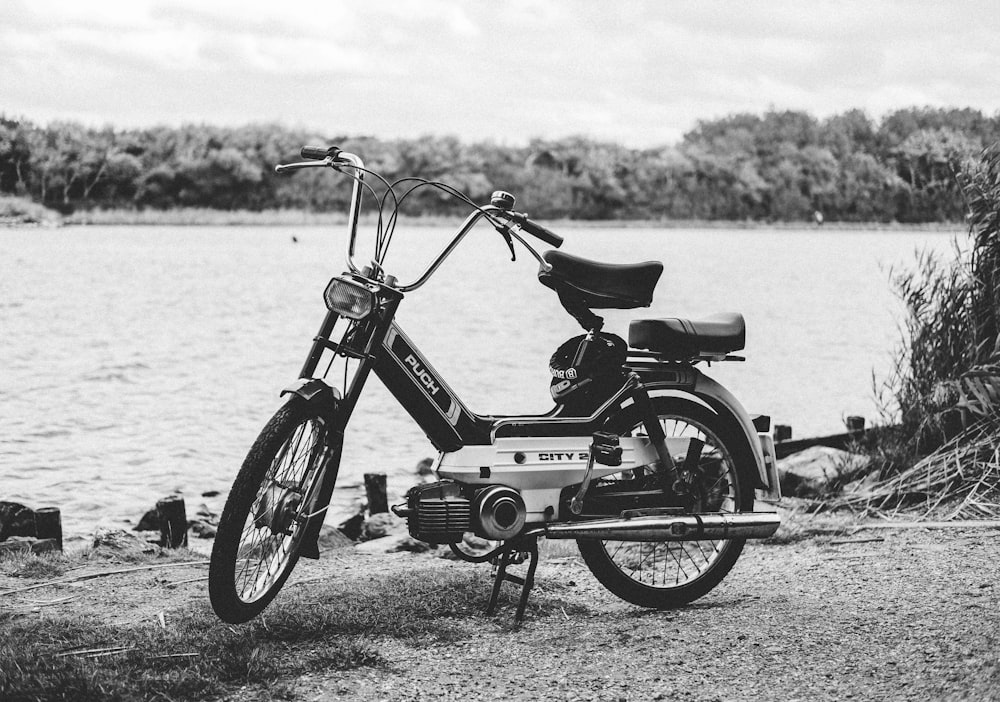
pixel 669 574
pixel 266 516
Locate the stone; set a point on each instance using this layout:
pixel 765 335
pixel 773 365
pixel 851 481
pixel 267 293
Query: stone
pixel 812 472
pixel 333 538
pixel 380 525
pixel 206 513
pixel 425 469
pixel 120 540
pixel 150 522
pixel 16 520
pixel 351 527
pixel 201 528
pixel 394 543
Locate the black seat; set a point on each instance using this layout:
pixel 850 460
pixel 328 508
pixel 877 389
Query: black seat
pixel 601 285
pixel 683 338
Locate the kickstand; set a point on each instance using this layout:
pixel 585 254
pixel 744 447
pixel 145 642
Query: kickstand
pixel 507 556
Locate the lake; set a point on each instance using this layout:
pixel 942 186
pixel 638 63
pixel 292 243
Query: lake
pixel 139 361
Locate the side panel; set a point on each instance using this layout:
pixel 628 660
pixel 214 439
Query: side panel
pixel 540 467
pixel 425 396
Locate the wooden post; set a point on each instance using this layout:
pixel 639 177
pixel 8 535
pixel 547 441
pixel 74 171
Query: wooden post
pixel 782 432
pixel 378 501
pixel 173 521
pixel 855 425
pixel 48 525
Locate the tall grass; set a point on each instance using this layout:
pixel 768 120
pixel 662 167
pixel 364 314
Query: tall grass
pixel 946 382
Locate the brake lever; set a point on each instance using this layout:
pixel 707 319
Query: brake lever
pixel 505 233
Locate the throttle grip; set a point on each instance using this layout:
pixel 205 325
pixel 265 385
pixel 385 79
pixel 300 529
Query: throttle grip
pixel 537 230
pixel 318 153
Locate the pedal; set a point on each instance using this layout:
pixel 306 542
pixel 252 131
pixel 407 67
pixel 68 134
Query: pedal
pixel 606 449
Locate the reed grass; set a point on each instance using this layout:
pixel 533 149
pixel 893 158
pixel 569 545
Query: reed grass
pixel 945 387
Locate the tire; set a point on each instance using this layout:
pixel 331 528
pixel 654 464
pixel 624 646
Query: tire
pixel 264 521
pixel 664 575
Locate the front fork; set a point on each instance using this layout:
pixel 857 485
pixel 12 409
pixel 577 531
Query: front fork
pixel 335 411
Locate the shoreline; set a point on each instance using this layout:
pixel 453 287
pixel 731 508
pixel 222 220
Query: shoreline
pixel 198 217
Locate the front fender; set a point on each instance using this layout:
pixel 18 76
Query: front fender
pixel 691 381
pixel 315 391
pixel 325 399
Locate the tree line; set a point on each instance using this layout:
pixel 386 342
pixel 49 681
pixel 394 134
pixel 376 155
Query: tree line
pixel 776 166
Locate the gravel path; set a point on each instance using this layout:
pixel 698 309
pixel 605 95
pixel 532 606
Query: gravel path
pixel 915 616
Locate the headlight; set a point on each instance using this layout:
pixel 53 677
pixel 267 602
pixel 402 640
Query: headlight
pixel 349 299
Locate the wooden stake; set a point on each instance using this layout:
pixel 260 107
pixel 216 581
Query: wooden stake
pixel 173 521
pixel 48 525
pixel 378 501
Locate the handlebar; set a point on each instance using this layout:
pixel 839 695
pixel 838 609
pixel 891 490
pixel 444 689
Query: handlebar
pixel 536 230
pixel 319 153
pixel 333 157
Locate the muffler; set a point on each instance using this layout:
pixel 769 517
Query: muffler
pixel 674 527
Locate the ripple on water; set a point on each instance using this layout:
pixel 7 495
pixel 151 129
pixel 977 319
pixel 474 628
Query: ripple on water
pixel 130 405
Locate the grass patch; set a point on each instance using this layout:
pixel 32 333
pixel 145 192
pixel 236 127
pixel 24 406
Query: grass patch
pixel 36 566
pixel 334 624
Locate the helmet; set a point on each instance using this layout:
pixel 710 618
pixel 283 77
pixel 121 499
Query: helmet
pixel 583 372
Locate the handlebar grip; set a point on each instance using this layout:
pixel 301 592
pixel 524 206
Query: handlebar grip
pixel 537 230
pixel 318 153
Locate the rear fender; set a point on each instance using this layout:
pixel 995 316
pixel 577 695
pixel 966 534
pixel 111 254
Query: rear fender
pixel 692 383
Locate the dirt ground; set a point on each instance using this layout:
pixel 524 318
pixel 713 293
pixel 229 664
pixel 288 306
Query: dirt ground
pixel 871 614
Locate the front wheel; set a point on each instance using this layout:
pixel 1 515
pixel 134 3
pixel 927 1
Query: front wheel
pixel 273 499
pixel 669 574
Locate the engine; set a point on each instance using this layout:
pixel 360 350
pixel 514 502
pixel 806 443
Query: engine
pixel 441 512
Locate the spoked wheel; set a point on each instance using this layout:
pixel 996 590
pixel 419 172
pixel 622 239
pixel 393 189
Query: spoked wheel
pixel 267 513
pixel 672 573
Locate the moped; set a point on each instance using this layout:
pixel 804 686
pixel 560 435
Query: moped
pixel 652 467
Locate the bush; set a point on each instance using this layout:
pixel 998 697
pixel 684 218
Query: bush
pixel 20 210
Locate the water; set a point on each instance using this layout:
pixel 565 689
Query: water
pixel 135 362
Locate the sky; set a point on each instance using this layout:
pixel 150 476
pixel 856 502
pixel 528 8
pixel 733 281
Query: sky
pixel 639 73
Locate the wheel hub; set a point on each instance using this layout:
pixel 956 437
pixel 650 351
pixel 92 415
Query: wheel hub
pixel 277 509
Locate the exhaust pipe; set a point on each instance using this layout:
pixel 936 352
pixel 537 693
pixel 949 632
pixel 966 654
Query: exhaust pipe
pixel 674 527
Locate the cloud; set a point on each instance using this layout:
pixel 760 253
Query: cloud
pixel 641 71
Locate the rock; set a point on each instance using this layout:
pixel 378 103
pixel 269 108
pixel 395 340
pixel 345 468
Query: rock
pixel 394 543
pixel 206 514
pixel 332 538
pixel 201 528
pixel 120 540
pixel 16 520
pixel 425 469
pixel 380 525
pixel 150 522
pixel 475 545
pixel 810 473
pixel 471 545
pixel 351 528
pixel 210 493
